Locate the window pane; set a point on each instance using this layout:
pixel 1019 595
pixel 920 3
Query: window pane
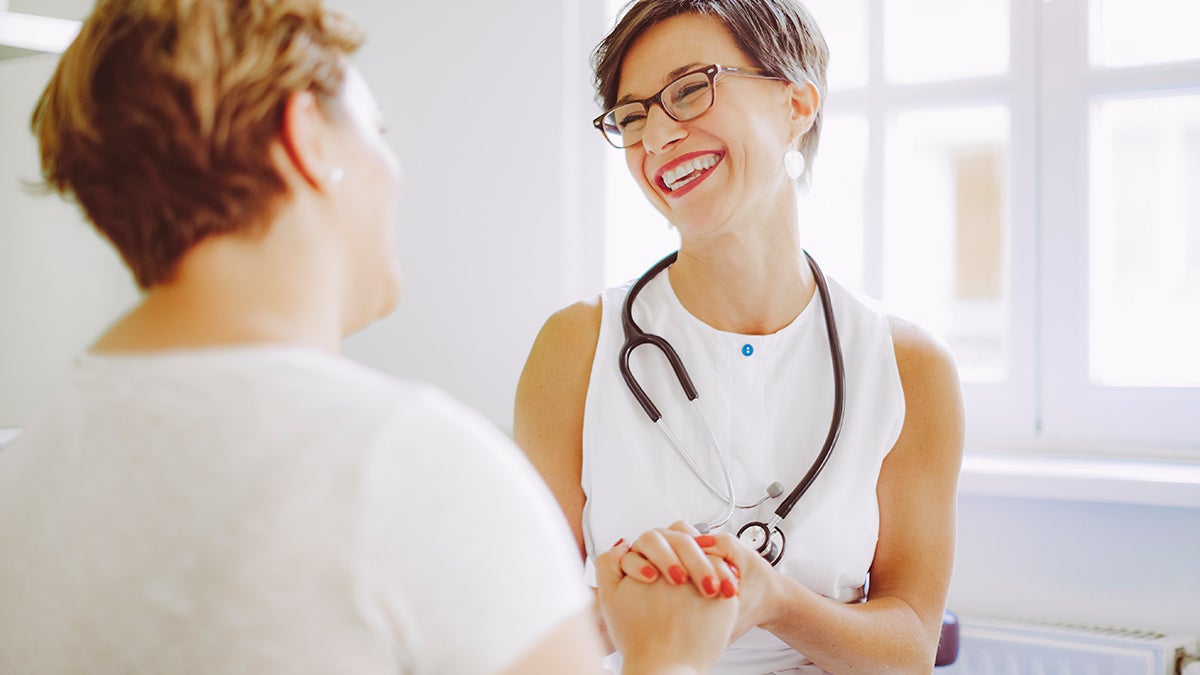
pixel 945 231
pixel 845 27
pixel 1145 242
pixel 928 40
pixel 832 215
pixel 1137 32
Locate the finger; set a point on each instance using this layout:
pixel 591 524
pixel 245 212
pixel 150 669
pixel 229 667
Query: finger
pixel 727 580
pixel 654 547
pixel 727 547
pixel 694 561
pixel 636 566
pixel 608 565
pixel 684 527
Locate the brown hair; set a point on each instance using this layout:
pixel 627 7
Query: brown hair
pixel 159 117
pixel 780 36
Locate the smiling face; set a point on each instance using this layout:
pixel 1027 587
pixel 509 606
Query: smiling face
pixel 725 166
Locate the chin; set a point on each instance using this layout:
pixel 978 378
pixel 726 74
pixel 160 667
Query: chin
pixel 367 308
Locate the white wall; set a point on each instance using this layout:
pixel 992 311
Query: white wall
pixel 60 284
pixel 489 105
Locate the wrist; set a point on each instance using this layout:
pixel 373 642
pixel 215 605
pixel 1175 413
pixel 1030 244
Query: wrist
pixel 778 597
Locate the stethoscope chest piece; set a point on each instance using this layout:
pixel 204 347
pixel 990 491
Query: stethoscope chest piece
pixel 767 540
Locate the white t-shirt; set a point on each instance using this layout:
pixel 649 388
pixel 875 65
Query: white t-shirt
pixel 269 511
pixel 768 400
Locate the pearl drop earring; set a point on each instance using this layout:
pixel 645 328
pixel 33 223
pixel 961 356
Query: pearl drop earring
pixel 793 163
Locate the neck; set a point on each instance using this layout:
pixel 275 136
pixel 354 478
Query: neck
pixel 754 282
pixel 229 290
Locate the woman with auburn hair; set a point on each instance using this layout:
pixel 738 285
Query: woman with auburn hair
pixel 732 389
pixel 215 489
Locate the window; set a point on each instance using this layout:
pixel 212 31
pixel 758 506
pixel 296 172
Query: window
pixel 1019 177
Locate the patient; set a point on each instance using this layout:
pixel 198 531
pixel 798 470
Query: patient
pixel 214 489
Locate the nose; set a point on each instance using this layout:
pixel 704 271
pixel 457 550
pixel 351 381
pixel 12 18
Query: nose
pixel 661 131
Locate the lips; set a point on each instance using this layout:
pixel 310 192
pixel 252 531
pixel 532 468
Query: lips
pixel 686 172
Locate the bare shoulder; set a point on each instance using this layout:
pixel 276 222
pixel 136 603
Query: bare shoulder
pixel 574 328
pixel 562 354
pixel 934 416
pixel 924 361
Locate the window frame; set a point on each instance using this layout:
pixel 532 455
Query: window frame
pixel 1046 404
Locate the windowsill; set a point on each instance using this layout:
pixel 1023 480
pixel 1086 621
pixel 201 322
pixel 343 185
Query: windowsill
pixel 1082 479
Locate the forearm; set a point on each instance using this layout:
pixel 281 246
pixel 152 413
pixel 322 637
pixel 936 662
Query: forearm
pixel 882 635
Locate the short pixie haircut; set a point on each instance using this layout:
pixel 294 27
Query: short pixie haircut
pixel 161 113
pixel 780 36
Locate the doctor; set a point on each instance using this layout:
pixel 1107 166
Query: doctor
pixel 833 426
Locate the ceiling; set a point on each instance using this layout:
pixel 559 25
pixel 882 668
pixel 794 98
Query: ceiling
pixel 69 10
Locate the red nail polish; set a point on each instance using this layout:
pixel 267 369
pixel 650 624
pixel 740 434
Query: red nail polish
pixel 619 542
pixel 677 574
pixel 710 586
pixel 650 573
pixel 727 588
pixel 706 540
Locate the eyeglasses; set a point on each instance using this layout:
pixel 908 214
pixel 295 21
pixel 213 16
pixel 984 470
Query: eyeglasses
pixel 686 98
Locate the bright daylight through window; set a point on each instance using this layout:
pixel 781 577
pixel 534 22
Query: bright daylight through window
pixel 1018 176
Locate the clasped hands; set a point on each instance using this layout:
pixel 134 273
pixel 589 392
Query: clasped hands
pixel 674 592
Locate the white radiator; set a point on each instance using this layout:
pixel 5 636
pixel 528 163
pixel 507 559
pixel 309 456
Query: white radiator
pixel 1003 647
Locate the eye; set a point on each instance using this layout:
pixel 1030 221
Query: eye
pixel 689 91
pixel 634 119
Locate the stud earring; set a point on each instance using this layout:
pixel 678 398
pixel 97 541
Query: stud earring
pixel 336 175
pixel 793 163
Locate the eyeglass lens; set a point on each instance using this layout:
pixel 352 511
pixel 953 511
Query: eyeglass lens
pixel 683 99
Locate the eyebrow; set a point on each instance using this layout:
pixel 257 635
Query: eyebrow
pixel 671 77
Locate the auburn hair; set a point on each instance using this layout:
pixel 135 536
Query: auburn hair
pixel 160 116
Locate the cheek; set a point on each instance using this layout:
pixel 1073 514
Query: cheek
pixel 634 162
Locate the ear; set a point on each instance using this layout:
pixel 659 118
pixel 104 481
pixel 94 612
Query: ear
pixel 804 101
pixel 305 138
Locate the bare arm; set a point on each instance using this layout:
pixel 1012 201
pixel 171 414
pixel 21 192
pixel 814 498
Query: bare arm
pixel 552 391
pixel 897 628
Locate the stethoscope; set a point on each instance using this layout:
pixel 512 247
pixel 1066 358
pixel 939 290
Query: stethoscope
pixel 765 537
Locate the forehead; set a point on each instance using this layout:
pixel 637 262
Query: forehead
pixel 682 40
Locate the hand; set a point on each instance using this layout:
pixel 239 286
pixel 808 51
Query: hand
pixel 675 555
pixel 658 626
pixel 756 579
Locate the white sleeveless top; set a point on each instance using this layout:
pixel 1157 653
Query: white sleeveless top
pixel 768 400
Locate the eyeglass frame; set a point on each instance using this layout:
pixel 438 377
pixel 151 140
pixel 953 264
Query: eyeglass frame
pixel 712 71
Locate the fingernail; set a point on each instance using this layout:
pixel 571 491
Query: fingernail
pixel 706 540
pixel 677 574
pixel 736 572
pixel 649 572
pixel 710 586
pixel 727 588
pixel 619 542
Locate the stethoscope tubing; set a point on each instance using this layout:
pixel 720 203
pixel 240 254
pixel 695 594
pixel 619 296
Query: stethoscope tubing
pixel 839 396
pixel 636 337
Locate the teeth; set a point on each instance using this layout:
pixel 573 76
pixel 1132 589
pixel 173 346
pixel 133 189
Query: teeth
pixel 688 171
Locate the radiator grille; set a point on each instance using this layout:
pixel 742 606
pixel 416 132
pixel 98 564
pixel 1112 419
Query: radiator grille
pixel 1016 647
